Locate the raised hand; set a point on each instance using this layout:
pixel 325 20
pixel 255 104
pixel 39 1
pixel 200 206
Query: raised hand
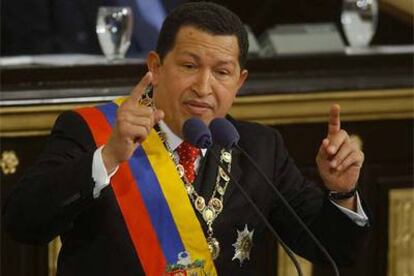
pixel 133 124
pixel 339 158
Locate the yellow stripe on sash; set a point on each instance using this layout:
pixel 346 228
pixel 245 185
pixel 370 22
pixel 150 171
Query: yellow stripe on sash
pixel 176 196
pixel 120 100
pixel 180 206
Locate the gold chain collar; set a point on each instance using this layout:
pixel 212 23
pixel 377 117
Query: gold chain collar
pixel 210 210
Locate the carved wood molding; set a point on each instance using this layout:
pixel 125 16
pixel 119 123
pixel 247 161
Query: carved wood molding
pixel 401 232
pixel 286 267
pixel 53 252
pixel 269 109
pixel 314 107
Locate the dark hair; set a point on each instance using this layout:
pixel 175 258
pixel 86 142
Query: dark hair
pixel 205 16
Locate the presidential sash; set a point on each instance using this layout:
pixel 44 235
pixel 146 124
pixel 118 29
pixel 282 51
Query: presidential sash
pixel 161 222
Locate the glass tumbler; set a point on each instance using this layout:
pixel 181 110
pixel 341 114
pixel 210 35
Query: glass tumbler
pixel 114 30
pixel 359 21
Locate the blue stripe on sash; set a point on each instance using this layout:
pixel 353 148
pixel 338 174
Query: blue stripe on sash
pixel 157 206
pixel 109 110
pixel 155 202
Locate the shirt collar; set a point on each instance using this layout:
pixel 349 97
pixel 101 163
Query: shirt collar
pixel 172 139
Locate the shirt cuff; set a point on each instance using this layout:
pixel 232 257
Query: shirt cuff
pixel 359 217
pixel 99 173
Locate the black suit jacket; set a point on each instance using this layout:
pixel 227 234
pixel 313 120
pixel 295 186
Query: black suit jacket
pixel 55 198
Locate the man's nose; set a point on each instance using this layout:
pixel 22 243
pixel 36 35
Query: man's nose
pixel 203 83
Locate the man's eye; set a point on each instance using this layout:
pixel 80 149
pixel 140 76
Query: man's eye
pixel 189 66
pixel 223 73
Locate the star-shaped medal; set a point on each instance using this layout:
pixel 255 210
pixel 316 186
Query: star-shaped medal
pixel 243 245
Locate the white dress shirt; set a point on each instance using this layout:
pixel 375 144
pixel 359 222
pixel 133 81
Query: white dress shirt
pixel 102 178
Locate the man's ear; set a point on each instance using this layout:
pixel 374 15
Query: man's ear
pixel 154 64
pixel 243 76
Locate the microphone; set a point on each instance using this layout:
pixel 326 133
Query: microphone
pixel 225 134
pixel 217 127
pixel 196 133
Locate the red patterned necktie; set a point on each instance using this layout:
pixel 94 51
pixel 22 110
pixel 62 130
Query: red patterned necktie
pixel 188 154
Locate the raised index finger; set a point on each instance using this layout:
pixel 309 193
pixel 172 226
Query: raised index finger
pixel 140 87
pixel 334 121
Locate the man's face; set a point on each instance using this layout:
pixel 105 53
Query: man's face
pixel 199 77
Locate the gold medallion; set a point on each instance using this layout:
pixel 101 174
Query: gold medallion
pixel 214 247
pixel 217 204
pixel 209 214
pixel 199 203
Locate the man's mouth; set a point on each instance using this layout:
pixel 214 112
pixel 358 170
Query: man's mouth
pixel 197 107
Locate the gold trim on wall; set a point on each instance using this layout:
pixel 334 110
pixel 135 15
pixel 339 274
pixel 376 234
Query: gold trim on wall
pixel 9 162
pixel 401 232
pixel 269 109
pixel 314 107
pixel 53 252
pixel 285 267
pixel 24 121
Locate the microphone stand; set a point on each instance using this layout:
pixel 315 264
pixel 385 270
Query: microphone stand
pixel 260 213
pixel 293 212
pixel 196 126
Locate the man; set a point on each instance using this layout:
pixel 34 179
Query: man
pixel 127 197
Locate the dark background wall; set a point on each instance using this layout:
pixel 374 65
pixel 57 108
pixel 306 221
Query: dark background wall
pixel 61 26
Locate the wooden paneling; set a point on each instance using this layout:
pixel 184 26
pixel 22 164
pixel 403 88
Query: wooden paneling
pixel 401 232
pixel 18 259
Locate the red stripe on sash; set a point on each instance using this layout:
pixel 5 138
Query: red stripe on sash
pixel 130 201
pixel 138 222
pixel 97 123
